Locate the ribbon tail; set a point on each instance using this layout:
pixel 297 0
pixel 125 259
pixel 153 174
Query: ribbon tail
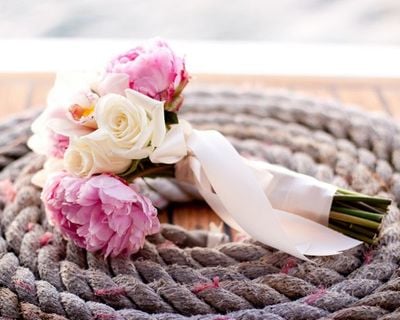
pixel 233 191
pixel 204 188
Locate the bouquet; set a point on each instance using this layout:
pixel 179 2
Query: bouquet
pixel 107 133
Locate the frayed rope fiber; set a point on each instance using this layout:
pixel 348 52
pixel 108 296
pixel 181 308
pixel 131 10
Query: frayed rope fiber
pixel 175 275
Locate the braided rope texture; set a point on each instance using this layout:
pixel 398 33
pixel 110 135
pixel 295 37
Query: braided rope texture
pixel 175 275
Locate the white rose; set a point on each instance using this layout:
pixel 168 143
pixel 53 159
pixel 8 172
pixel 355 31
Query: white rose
pixel 134 124
pixel 86 156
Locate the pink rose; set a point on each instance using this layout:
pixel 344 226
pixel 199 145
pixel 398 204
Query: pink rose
pixel 99 213
pixel 154 70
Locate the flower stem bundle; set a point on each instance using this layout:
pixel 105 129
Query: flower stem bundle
pixel 357 215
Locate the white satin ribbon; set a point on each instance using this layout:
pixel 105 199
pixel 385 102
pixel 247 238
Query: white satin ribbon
pixel 271 204
pixel 290 191
pixel 239 194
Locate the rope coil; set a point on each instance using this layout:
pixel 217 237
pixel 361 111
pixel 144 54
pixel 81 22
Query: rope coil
pixel 175 275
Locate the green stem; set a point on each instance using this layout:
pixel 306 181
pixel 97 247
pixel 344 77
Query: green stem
pixel 356 220
pixel 358 206
pixel 371 200
pixel 355 228
pixel 372 208
pixel 351 234
pixel 359 213
pixel 157 170
pixel 345 191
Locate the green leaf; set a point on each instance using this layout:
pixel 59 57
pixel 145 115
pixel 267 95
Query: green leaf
pixel 170 117
pixel 131 169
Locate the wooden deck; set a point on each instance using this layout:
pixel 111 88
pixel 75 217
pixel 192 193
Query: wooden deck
pixel 20 91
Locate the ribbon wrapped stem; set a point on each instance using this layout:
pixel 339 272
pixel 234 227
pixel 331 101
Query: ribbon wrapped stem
pixel 357 215
pixel 281 208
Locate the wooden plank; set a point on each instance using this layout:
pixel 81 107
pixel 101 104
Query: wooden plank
pixel 14 97
pixel 27 76
pixel 392 98
pixel 39 93
pixel 324 92
pixel 194 215
pixel 163 216
pixel 363 97
pixel 293 81
pixel 262 80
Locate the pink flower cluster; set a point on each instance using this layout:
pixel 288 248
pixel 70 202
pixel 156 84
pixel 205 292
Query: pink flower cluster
pixel 154 70
pixel 100 213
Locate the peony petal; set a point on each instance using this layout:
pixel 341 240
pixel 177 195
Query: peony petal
pixel 80 215
pixel 88 196
pixel 98 221
pixel 106 223
pixel 155 226
pixel 113 83
pixel 120 223
pixel 83 231
pixel 114 246
pixel 152 72
pixel 111 187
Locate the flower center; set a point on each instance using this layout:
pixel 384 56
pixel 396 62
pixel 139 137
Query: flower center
pixel 77 111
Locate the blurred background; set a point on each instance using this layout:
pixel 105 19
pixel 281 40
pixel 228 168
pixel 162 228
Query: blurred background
pixel 333 21
pixel 342 50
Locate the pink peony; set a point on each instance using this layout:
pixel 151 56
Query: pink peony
pixel 99 213
pixel 58 144
pixel 154 70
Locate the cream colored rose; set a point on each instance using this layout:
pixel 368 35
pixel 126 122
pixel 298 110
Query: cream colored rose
pixel 134 124
pixel 86 156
